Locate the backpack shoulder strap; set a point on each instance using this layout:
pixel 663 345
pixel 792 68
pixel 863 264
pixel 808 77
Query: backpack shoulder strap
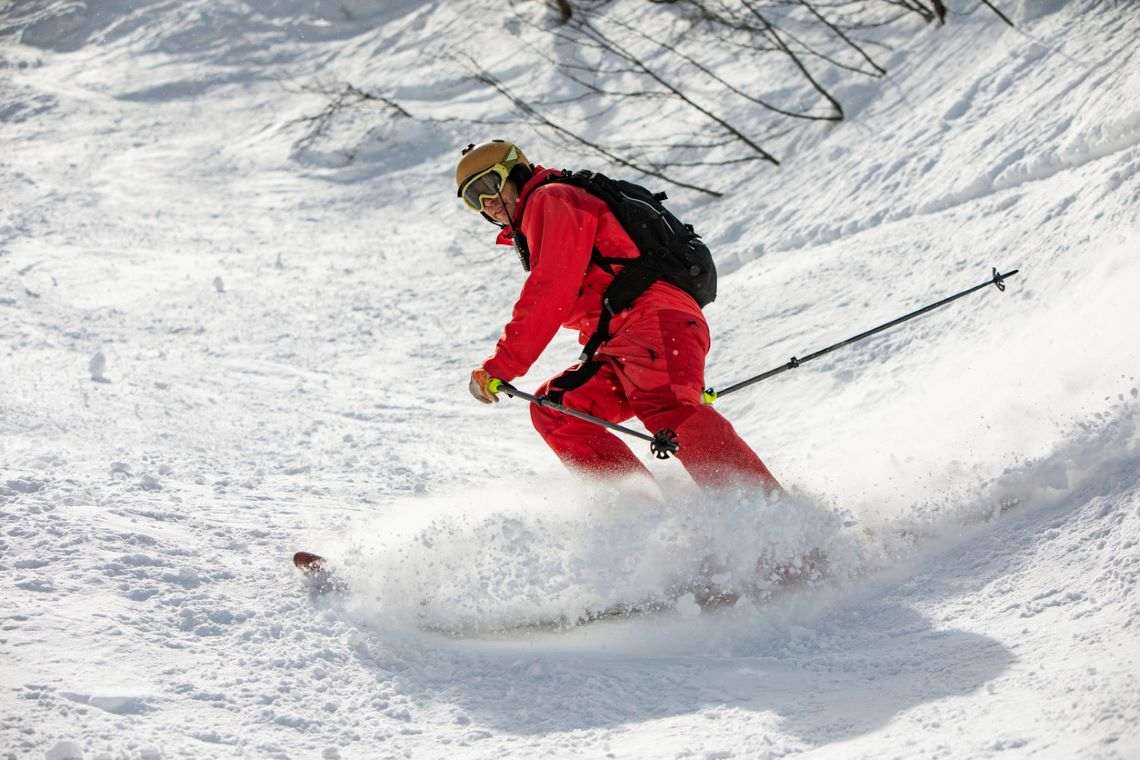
pixel 637 273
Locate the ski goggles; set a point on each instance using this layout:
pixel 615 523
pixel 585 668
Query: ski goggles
pixel 486 184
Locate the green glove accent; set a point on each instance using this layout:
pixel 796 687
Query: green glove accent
pixel 708 398
pixel 493 386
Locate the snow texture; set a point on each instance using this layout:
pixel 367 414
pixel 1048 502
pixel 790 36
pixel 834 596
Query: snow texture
pixel 225 337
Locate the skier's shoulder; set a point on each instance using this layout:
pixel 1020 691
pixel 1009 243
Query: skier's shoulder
pixel 549 189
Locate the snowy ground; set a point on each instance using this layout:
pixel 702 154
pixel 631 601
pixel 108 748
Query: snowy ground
pixel 286 335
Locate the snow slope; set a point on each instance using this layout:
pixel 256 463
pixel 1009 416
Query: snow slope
pixel 285 329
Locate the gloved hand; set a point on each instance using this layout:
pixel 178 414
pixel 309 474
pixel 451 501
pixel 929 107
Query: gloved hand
pixel 484 387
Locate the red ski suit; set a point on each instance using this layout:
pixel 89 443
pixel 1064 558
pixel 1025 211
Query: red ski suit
pixel 652 366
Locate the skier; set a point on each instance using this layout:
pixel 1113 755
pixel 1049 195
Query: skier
pixel 651 362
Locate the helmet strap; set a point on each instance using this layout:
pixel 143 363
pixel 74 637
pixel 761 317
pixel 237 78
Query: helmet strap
pixel 521 246
pixel 519 240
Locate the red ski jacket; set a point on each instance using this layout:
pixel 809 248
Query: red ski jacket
pixel 562 225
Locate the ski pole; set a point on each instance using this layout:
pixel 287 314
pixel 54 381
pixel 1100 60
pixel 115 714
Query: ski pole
pixel 662 444
pixel 998 280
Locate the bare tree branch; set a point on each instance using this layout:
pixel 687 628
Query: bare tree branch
pixel 487 78
pixel 994 8
pixel 839 33
pixel 564 10
pixel 795 59
pixel 721 81
pixel 677 91
pixel 343 96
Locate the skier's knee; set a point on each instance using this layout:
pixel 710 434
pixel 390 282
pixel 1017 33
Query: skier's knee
pixel 671 417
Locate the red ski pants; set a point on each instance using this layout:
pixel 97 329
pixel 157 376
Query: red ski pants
pixel 652 369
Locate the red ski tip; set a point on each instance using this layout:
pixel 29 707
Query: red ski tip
pixel 308 562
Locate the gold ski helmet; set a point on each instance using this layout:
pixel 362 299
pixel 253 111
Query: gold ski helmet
pixel 483 169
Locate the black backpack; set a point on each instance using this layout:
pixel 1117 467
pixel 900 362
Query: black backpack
pixel 670 250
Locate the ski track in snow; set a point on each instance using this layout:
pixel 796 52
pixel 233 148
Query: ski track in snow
pixel 285 332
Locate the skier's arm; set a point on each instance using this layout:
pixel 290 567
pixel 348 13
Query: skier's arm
pixel 561 236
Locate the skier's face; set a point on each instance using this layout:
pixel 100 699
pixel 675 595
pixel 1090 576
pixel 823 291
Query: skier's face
pixel 502 210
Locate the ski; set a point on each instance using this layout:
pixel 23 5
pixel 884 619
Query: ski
pixel 318 574
pixel 307 562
